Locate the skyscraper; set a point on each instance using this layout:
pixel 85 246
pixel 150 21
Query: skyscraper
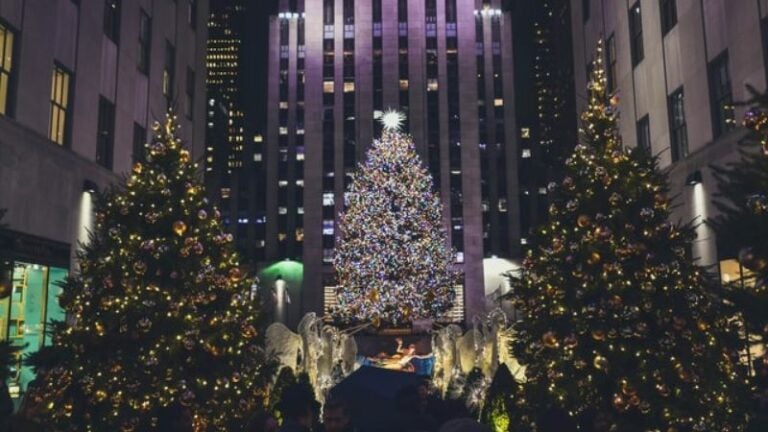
pixel 233 169
pixel 334 66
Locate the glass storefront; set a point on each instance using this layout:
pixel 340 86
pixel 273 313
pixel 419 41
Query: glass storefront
pixel 30 302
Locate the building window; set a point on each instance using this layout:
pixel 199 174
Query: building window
pixel 328 14
pixel 328 87
pixel 7 44
pixel 59 123
pixel 610 60
pixel 190 92
pixel 668 15
pixel 105 139
pixel 169 71
pixel 145 42
pixel 585 9
pixel 765 45
pixel 677 128
pixel 192 13
pixel 722 98
pixel 112 20
pixel 636 34
pixel 139 138
pixel 644 133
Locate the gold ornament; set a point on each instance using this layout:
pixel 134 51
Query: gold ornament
pixel 137 167
pixel 373 296
pixel 376 321
pixel 600 362
pixel 5 289
pixel 184 156
pixel 583 221
pixel 598 335
pixel 234 274
pixel 594 258
pixel 549 340
pixel 179 227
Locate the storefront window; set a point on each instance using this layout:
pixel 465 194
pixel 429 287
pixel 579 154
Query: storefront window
pixel 32 303
pixel 732 272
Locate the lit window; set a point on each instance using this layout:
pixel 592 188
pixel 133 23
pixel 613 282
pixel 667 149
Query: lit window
pixel 542 191
pixel 282 210
pixel 523 241
pixel 526 153
pixel 503 205
pixel 282 183
pixel 432 84
pixel 459 257
pixel 283 130
pixel 328 227
pixel 328 199
pixel 257 157
pixel 59 105
pixel 327 255
pixel 349 86
pixel 300 210
pixel 498 102
pixel 328 87
pixel 299 153
pixel 403 84
pixel 525 132
pixel 283 104
pixel 300 182
pixel 225 193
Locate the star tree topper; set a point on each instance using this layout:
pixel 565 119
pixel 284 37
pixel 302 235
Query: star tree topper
pixel 392 119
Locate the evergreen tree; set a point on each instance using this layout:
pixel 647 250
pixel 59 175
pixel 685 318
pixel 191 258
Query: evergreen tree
pixel 392 260
pixel 616 320
pixel 160 313
pixel 742 222
pixel 498 401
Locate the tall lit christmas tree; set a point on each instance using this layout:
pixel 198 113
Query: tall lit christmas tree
pixel 616 320
pixel 160 311
pixel 392 260
pixel 742 225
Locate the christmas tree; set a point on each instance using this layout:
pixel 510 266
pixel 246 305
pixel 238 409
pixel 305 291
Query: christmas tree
pixel 616 320
pixel 160 312
pixel 742 225
pixel 392 260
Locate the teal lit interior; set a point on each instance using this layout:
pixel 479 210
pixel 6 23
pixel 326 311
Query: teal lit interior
pixel 292 272
pixel 24 314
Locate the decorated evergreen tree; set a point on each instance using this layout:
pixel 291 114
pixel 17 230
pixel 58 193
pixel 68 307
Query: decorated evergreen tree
pixel 393 262
pixel 160 312
pixel 742 224
pixel 616 320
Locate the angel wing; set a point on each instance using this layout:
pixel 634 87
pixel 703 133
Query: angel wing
pixel 284 345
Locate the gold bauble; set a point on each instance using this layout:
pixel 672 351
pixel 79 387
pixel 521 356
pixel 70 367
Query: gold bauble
pixel 376 321
pixel 5 289
pixel 234 274
pixel 600 362
pixel 179 227
pixel 184 156
pixel 583 221
pixel 598 335
pixel 137 167
pixel 373 296
pixel 594 258
pixel 549 340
